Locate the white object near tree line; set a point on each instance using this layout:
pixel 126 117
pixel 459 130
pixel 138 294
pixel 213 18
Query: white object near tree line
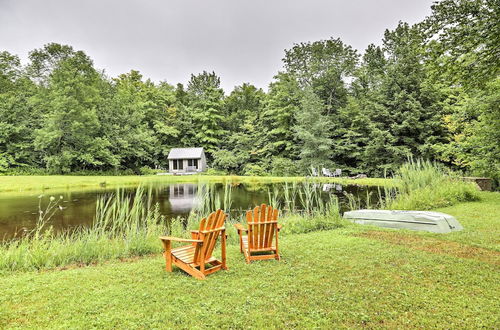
pixel 186 161
pixel 435 222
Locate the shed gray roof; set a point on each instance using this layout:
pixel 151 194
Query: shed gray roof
pixel 185 153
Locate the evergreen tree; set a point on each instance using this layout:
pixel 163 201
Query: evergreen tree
pixel 242 111
pixel 356 121
pixel 162 118
pixel 243 104
pixel 403 108
pixel 324 66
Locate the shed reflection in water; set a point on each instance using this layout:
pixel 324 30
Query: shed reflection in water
pixel 183 197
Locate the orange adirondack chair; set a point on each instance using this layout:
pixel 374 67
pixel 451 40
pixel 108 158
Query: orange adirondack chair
pixel 262 227
pixel 193 258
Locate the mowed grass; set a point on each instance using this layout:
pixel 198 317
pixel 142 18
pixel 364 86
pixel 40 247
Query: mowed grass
pixel 328 279
pixel 480 219
pixel 54 183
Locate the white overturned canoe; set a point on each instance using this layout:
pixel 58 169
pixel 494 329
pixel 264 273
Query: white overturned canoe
pixel 435 222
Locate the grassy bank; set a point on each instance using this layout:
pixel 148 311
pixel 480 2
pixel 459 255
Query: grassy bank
pixel 423 185
pixel 55 183
pixel 352 277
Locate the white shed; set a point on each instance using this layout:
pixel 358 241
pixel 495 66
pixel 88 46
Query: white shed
pixel 187 160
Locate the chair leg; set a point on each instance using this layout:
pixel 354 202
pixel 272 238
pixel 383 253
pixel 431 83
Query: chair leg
pixel 168 258
pixel 223 249
pixel 247 256
pixel 167 255
pixel 202 265
pixel 241 242
pixel 277 251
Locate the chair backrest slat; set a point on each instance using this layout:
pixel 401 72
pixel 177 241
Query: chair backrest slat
pixel 207 237
pixel 271 227
pixel 217 226
pixel 262 227
pixel 249 216
pixel 214 224
pixel 197 251
pixel 262 224
pixel 255 228
pixel 209 231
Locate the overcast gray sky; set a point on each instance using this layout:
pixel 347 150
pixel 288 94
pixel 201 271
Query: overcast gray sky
pixel 242 41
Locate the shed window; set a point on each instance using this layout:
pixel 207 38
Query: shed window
pixel 178 191
pixel 193 162
pixel 178 164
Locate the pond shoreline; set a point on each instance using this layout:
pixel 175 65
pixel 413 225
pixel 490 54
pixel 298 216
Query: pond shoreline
pixel 28 185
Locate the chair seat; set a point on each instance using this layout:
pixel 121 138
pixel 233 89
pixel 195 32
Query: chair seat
pixel 186 254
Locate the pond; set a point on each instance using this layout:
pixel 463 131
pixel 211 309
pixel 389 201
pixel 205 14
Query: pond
pixel 19 214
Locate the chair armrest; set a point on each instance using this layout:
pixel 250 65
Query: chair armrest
pixel 176 239
pixel 195 234
pixel 239 227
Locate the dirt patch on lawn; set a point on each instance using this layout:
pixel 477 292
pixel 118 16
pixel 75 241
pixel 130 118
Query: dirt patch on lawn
pixel 436 246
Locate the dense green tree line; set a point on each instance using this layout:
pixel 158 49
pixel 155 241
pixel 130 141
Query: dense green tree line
pixel 431 91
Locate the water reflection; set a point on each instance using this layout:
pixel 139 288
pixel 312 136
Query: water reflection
pixel 327 187
pixel 20 212
pixel 183 197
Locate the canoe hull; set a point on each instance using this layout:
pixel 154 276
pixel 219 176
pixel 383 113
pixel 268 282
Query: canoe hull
pixel 435 222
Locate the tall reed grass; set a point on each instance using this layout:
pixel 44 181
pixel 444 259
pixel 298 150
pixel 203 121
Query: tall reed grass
pixel 128 225
pixel 304 208
pixel 356 202
pixel 424 185
pixel 124 226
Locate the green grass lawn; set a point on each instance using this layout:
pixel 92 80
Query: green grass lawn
pixel 29 184
pixel 481 220
pixel 352 277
